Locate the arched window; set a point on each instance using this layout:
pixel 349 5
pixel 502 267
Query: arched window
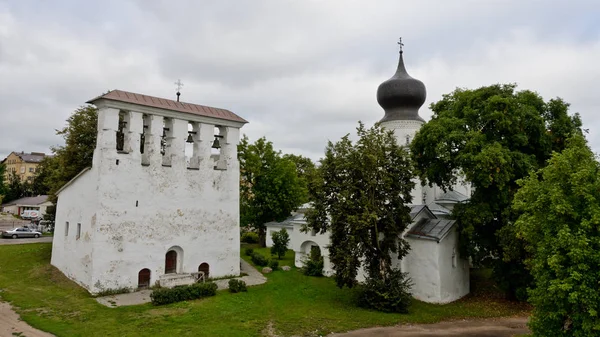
pixel 204 267
pixel 144 278
pixel 171 262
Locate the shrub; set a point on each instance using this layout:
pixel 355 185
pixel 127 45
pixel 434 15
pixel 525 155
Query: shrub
pixel 249 251
pixel 313 266
pixel 183 293
pixel 259 260
pixel 117 291
pixel 274 264
pixel 236 286
pixel 281 239
pixel 389 295
pixel 250 237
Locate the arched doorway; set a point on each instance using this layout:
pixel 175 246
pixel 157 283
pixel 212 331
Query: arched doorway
pixel 144 278
pixel 204 267
pixel 171 262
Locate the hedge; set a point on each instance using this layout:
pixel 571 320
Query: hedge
pixel 183 293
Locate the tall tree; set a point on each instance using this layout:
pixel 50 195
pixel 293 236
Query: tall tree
pixel 77 153
pixel 15 188
pixel 269 185
pixel 492 136
pixel 361 199
pixel 2 181
pixel 306 170
pixel 560 223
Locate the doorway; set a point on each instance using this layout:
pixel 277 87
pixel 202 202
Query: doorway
pixel 144 278
pixel 171 262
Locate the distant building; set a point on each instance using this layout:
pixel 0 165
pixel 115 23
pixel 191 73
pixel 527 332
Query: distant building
pixel 23 164
pixel 146 213
pixel 29 207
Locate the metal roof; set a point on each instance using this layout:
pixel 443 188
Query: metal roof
pixel 168 104
pixel 438 209
pixel 431 229
pixel 40 199
pixel 452 196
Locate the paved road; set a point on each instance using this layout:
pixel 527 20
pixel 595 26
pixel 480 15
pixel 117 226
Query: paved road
pixel 4 241
pixel 498 327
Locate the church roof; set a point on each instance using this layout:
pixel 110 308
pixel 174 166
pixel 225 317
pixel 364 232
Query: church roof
pixel 168 104
pixel 438 209
pixel 431 229
pixel 452 196
pixel 401 96
pixel 295 218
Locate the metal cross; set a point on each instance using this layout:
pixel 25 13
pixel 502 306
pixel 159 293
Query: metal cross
pixel 179 85
pixel 400 44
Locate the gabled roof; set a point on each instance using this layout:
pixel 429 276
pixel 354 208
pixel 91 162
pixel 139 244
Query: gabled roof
pixel 452 196
pixel 295 218
pixel 33 157
pixel 438 209
pixel 168 104
pixel 418 209
pixel 431 229
pixel 40 199
pixel 72 180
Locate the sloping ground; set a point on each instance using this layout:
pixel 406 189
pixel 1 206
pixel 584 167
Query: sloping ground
pixel 11 325
pixel 497 327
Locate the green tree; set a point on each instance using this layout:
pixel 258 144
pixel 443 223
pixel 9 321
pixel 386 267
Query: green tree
pixel 269 185
pixel 361 200
pixel 492 136
pixel 2 183
pixel 15 189
pixel 560 223
pixel 77 153
pixel 42 172
pixel 306 170
pixel 281 239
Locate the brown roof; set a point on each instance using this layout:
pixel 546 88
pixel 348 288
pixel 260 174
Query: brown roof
pixel 168 104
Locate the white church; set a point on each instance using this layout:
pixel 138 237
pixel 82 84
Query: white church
pixel 438 273
pixel 145 213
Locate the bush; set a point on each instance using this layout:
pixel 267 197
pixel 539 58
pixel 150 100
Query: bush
pixel 183 293
pixel 274 264
pixel 281 239
pixel 249 251
pixel 250 237
pixel 236 286
pixel 259 260
pixel 389 295
pixel 313 266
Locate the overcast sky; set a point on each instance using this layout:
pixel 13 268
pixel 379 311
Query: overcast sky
pixel 301 72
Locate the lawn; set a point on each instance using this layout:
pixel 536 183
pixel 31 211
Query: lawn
pixel 288 304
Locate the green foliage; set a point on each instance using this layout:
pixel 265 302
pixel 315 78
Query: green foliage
pixel 387 295
pixel 274 264
pixel 250 237
pixel 281 239
pixel 259 260
pixel 560 223
pixel 237 286
pixel 305 169
pixel 163 296
pixel 361 198
pixel 110 292
pixel 70 159
pixel 249 252
pixel 491 136
pixel 313 265
pixel 269 185
pixel 3 188
pixel 16 188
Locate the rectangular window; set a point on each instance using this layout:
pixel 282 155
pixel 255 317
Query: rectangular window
pixel 22 169
pixel 31 169
pixel 66 228
pixel 78 231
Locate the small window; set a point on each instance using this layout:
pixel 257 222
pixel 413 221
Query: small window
pixel 22 169
pixel 313 233
pixel 78 231
pixel 31 169
pixel 66 228
pixel 453 257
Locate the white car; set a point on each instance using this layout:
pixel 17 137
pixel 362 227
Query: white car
pixel 21 232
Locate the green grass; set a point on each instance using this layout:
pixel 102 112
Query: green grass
pixel 288 304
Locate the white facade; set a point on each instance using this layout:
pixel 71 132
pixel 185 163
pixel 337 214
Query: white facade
pixel 126 212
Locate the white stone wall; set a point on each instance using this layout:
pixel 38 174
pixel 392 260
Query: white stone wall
pixel 422 265
pixel 455 281
pixel 147 204
pixel 276 228
pixel 301 244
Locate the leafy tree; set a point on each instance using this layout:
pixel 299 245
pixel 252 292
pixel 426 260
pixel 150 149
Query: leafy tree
pixel 313 265
pixel 560 222
pixel 361 199
pixel 269 185
pixel 306 170
pixel 16 188
pixel 2 183
pixel 77 153
pixel 43 171
pixel 492 136
pixel 281 239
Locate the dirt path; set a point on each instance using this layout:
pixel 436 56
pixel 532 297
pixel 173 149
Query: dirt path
pixel 498 327
pixel 11 325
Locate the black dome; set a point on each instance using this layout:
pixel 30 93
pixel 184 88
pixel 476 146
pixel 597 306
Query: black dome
pixel 401 96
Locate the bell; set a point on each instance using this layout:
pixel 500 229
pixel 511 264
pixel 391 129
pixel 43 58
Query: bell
pixel 216 144
pixel 190 139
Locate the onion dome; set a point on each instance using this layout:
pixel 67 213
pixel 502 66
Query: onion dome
pixel 401 96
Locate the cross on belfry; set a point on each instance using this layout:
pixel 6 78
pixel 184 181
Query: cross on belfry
pixel 400 44
pixel 179 85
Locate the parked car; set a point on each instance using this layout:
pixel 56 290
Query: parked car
pixel 21 232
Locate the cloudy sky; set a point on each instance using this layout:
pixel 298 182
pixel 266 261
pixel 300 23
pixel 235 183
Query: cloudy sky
pixel 302 72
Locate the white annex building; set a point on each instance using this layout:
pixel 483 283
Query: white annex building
pixel 438 273
pixel 144 212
